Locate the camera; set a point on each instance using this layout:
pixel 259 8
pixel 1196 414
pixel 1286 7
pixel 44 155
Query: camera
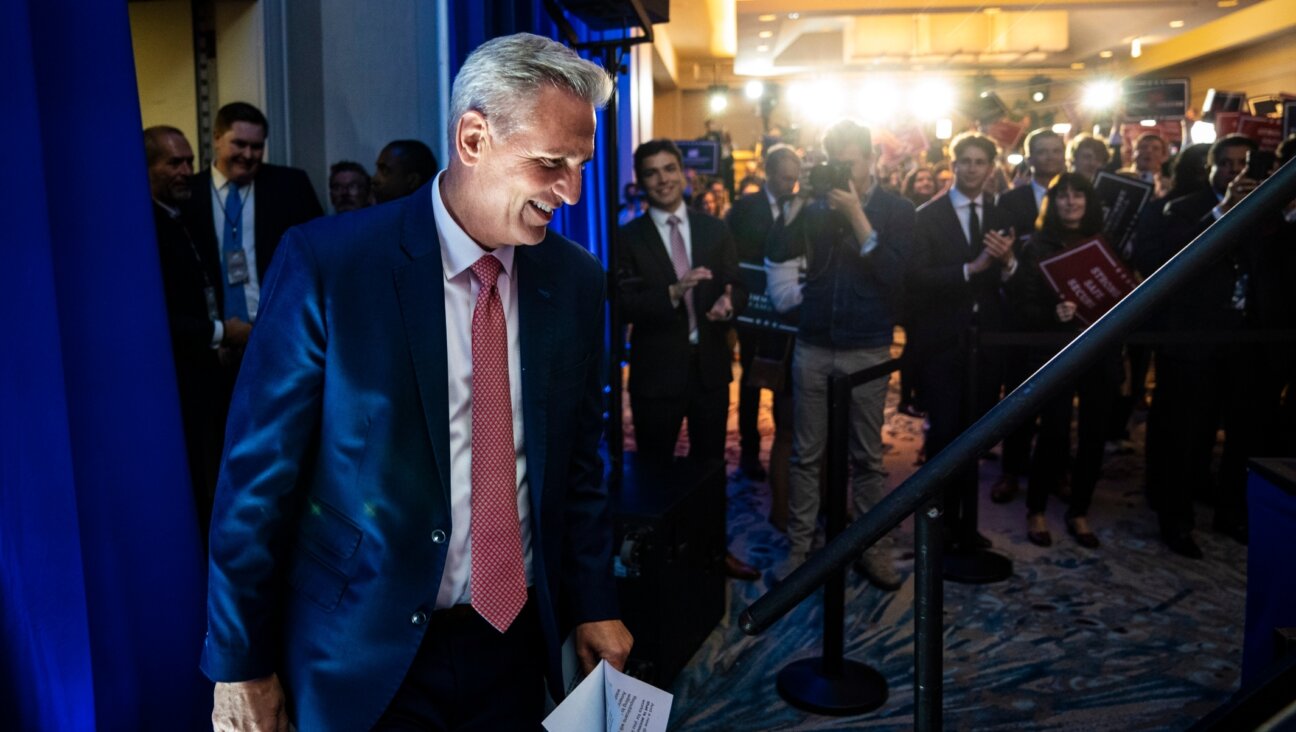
pixel 827 176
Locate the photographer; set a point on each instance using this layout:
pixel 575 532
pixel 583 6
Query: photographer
pixel 855 238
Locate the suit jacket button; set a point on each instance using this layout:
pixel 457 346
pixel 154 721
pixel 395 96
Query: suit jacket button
pixel 438 537
pixel 418 618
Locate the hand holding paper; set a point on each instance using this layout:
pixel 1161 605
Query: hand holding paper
pixel 610 701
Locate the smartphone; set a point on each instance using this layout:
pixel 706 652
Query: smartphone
pixel 1259 164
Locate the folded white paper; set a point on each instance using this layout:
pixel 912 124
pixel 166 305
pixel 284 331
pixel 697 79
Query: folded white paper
pixel 610 701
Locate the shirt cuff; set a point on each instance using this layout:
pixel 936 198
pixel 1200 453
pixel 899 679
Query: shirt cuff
pixel 967 274
pixel 869 244
pixel 1216 213
pixel 218 333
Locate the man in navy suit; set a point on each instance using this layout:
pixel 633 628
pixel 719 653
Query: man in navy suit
pixel 241 207
pixel 855 238
pixel 680 290
pixel 410 514
pixel 1046 155
pixel 962 254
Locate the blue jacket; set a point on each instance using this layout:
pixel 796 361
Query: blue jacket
pixel 851 300
pixel 332 513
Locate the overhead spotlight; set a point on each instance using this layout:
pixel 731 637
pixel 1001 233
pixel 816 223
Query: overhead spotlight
pixel 879 98
pixel 767 18
pixel 1176 24
pixel 766 34
pixel 1136 48
pixel 794 16
pixel 1101 95
pixel 1105 54
pixel 754 89
pixel 1148 122
pixel 718 98
pixel 1015 159
pixel 944 129
pixel 1062 128
pixel 1039 86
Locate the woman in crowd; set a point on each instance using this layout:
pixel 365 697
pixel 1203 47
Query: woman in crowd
pixel 1071 215
pixel 706 203
pixel 919 186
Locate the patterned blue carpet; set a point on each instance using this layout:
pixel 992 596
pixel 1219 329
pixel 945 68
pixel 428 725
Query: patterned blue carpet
pixel 1125 637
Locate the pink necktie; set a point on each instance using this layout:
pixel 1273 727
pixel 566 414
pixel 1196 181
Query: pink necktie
pixel 498 577
pixel 679 258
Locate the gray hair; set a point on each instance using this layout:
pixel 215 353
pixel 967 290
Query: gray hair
pixel 501 77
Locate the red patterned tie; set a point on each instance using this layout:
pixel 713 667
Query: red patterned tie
pixel 680 258
pixel 498 577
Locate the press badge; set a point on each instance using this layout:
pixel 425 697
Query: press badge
pixel 213 312
pixel 236 267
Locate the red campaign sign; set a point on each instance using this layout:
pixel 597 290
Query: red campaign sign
pixel 1006 133
pixel 1264 130
pixel 1090 276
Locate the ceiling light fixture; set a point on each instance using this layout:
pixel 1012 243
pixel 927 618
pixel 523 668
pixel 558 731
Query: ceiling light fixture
pixel 767 18
pixel 718 99
pixel 1176 24
pixel 1105 54
pixel 754 89
pixel 794 16
pixel 1078 66
pixel 1136 48
pixel 766 34
pixel 1101 95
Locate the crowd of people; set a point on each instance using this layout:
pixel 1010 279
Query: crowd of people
pixel 937 250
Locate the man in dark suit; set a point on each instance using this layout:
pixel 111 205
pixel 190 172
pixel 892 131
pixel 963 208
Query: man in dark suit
pixel 855 238
pixel 1200 386
pixel 1046 155
pixel 403 167
pixel 680 290
pixel 962 254
pixel 751 219
pixel 240 209
pixel 411 514
pixel 192 313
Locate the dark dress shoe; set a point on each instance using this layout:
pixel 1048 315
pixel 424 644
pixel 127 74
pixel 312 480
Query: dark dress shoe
pixel 1040 538
pixel 1086 539
pixel 738 569
pixel 1182 543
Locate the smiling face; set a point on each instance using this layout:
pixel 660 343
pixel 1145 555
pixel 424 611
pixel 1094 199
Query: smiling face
pixel 1047 156
pixel 1070 207
pixel 662 178
pixel 169 174
pixel 239 151
pixel 924 183
pixel 971 170
pixel 517 183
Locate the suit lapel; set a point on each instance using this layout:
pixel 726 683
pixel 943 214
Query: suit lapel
pixel 650 238
pixel 536 321
pixel 420 288
pixel 954 232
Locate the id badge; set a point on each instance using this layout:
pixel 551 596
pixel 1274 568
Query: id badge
pixel 213 313
pixel 236 267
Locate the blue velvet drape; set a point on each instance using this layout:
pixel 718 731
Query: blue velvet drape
pixel 100 569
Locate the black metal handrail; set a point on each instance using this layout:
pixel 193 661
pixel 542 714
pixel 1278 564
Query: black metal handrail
pixel 922 488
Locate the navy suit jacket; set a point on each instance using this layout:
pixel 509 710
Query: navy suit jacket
pixel 332 513
pixel 659 356
pixel 942 300
pixel 284 198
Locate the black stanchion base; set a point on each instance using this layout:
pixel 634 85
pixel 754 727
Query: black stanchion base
pixel 977 567
pixel 857 690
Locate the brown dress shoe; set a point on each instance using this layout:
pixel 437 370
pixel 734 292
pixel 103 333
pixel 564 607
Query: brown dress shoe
pixel 1037 530
pixel 738 569
pixel 1078 527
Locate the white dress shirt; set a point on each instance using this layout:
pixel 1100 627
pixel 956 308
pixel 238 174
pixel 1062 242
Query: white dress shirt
pixel 1039 191
pixel 458 253
pixel 661 219
pixel 963 210
pixel 247 224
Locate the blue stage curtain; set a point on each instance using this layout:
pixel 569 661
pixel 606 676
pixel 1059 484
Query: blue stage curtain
pixel 101 580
